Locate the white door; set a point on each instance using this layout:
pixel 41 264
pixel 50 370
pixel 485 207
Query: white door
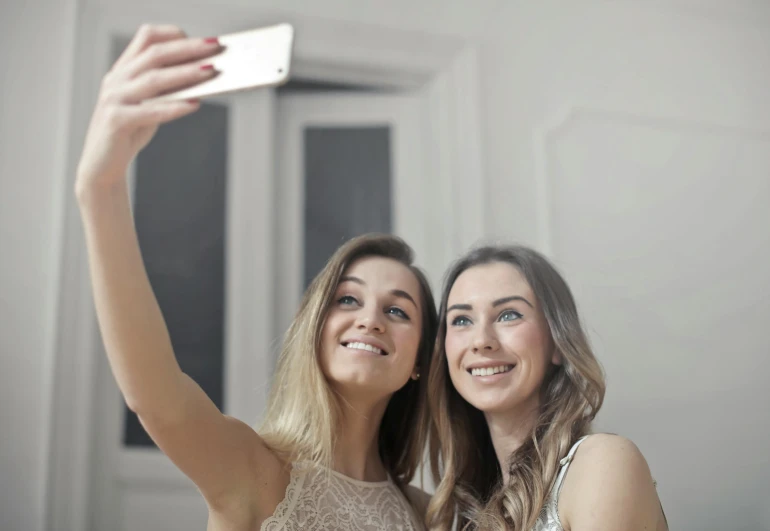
pixel 184 192
pixel 348 163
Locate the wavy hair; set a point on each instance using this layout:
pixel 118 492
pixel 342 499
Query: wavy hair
pixel 470 481
pixel 303 412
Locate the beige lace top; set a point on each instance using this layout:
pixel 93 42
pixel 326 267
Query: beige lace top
pixel 317 499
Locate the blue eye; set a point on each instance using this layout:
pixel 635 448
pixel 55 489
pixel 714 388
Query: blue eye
pixel 395 310
pixel 461 320
pixel 509 315
pixel 347 300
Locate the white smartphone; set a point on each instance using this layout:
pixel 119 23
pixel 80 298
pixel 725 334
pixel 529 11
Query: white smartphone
pixel 250 59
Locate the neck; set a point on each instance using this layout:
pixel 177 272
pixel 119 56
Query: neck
pixel 356 449
pixel 509 430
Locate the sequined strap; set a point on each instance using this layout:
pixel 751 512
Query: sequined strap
pixel 565 462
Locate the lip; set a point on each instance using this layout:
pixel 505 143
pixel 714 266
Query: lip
pixel 369 341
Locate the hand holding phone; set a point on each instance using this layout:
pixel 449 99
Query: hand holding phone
pixel 249 59
pixel 160 77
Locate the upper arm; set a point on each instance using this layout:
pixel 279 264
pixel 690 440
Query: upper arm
pixel 224 457
pixel 609 487
pixel 419 500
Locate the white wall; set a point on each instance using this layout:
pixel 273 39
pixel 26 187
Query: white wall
pixel 35 61
pixel 628 138
pixel 632 141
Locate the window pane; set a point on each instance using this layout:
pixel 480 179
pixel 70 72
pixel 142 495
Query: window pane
pixel 179 209
pixel 347 189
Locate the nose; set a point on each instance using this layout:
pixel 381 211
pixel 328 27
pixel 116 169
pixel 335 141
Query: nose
pixel 485 341
pixel 370 321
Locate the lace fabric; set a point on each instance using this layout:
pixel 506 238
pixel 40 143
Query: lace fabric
pixel 317 499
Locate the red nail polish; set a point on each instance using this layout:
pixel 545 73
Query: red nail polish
pixel 193 101
pixel 207 67
pixel 211 40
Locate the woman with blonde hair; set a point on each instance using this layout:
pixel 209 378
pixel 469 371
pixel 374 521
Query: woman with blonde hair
pixel 344 430
pixel 514 387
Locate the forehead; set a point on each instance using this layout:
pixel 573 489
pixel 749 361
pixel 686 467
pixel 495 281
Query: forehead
pixel 380 273
pixel 488 282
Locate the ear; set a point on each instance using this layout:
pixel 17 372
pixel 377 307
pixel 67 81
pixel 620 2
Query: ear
pixel 415 373
pixel 556 358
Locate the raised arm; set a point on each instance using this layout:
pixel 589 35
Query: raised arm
pixel 223 456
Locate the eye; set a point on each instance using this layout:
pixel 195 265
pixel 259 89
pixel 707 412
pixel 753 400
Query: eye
pixel 461 320
pixel 347 300
pixel 509 315
pixel 395 310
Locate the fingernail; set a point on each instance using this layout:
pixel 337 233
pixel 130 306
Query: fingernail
pixel 207 67
pixel 193 102
pixel 211 40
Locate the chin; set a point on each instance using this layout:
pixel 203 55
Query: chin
pixel 359 380
pixel 488 404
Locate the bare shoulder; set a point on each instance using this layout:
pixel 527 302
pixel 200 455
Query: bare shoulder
pixel 609 486
pixel 603 449
pixel 418 498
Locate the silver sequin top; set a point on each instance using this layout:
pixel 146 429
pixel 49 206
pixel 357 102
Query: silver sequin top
pixel 549 514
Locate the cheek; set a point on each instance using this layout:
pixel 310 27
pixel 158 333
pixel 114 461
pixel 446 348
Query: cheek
pixel 407 340
pixel 528 342
pixel 454 346
pixel 328 336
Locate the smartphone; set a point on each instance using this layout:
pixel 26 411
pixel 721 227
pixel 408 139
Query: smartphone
pixel 250 59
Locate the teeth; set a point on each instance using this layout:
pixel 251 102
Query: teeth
pixel 363 346
pixel 489 371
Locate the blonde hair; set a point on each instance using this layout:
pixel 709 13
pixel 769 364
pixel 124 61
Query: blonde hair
pixel 303 412
pixel 461 453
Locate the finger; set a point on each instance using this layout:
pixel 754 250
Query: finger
pixel 171 53
pixel 161 81
pixel 145 36
pixel 155 113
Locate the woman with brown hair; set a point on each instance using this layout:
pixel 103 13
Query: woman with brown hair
pixel 514 387
pixel 346 421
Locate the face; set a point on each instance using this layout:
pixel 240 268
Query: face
pixel 498 343
pixel 372 332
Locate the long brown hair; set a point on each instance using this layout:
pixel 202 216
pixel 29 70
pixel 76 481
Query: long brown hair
pixel 462 458
pixel 303 413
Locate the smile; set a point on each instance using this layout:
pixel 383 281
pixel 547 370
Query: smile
pixel 489 371
pixel 357 345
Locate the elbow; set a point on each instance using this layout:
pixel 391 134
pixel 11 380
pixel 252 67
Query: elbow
pixel 134 404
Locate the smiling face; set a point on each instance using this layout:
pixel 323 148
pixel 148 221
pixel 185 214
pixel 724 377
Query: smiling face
pixel 498 344
pixel 372 331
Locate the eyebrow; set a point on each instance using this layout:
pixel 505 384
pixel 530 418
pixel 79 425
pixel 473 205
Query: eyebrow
pixel 396 292
pixel 496 302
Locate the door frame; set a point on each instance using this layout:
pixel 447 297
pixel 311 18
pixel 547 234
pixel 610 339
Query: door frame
pixel 410 184
pixel 444 74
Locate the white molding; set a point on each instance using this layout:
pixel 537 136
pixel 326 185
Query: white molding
pixel 68 473
pixel 557 122
pixel 248 359
pixel 540 141
pixel 455 167
pixel 468 177
pixel 329 50
pixel 747 14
